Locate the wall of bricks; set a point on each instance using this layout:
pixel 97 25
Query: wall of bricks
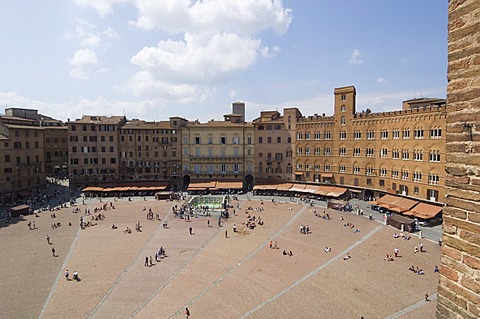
pixel 459 288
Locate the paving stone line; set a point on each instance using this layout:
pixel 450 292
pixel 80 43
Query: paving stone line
pixel 186 263
pixel 125 271
pixel 60 274
pixel 312 273
pixel 416 305
pixel 200 295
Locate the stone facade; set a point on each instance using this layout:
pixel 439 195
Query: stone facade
pixel 459 289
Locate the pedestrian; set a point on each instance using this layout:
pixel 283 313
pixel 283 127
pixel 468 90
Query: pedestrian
pixel 226 234
pixel 146 261
pixel 234 228
pixel 48 240
pixel 396 252
pixel 420 245
pixel 53 252
pixel 208 223
pixel 151 263
pixel 67 275
pixel 187 313
pixel 190 230
pixel 436 269
pixel 426 297
pixel 75 275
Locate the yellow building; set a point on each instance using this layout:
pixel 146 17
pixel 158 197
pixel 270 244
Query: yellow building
pixel 219 150
pixel 401 152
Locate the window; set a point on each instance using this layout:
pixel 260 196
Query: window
pixel 269 140
pixel 197 139
pixel 433 179
pixel 384 134
pixel 299 151
pixel 260 139
pixel 326 168
pixel 343 135
pixel 434 156
pixel 370 152
pixel 307 151
pixel 342 151
pixel 395 173
pixel 299 136
pixel 17 145
pixel 317 151
pixel 236 140
pixel 436 133
pixel 405 154
pixel 417 155
pixel 223 140
pixel 317 135
pixel 249 140
pixel 369 171
pixel 307 135
pixel 344 97
pixel 356 170
pixel 396 134
pixel 356 152
pixel 341 168
pixel 279 139
pixel 371 135
pixel 395 154
pixel 383 153
pixel 418 133
pixel 357 135
pixel 405 175
pixel 342 120
pixel 406 133
pixel 223 168
pixel 343 108
pixel 328 135
pixel 261 127
pixel 326 151
pixel 383 172
pixel 417 176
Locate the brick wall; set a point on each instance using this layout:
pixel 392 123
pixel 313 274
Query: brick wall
pixel 459 289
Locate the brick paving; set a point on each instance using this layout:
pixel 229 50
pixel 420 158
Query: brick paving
pixel 216 277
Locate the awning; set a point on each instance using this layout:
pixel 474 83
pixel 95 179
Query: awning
pixel 298 173
pixel 424 211
pixel 325 175
pixel 92 189
pixel 337 191
pixel 324 190
pixel 312 189
pixel 284 187
pixel 229 185
pixel 297 188
pixel 354 190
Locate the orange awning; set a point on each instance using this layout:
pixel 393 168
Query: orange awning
pixel 424 211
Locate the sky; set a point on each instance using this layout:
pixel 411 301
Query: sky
pixel 153 59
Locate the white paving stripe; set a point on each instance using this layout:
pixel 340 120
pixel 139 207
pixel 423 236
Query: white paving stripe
pixel 312 273
pixel 412 307
pixel 60 274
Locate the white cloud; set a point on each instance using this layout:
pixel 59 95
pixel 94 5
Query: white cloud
pixel 355 58
pixel 232 94
pixel 381 80
pixel 268 53
pixel 82 62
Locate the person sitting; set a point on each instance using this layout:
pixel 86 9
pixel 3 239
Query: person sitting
pixel 395 235
pixel 436 269
pixel 412 268
pixel 415 250
pixel 290 253
pixel 420 272
pixel 114 226
pixel 347 256
pixel 284 252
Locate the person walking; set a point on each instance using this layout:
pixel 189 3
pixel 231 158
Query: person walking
pixel 226 234
pixel 67 275
pixel 190 230
pixel 48 240
pixel 53 252
pixel 187 313
pixel 146 261
pixel 396 252
pixel 75 275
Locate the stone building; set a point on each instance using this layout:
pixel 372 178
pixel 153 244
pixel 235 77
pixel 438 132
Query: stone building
pixel 400 152
pixel 151 151
pixel 93 154
pixel 459 288
pixel 219 150
pixel 22 162
pixel 274 141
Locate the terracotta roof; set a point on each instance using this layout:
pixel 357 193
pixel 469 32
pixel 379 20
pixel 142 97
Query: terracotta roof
pixel 91 119
pixel 136 124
